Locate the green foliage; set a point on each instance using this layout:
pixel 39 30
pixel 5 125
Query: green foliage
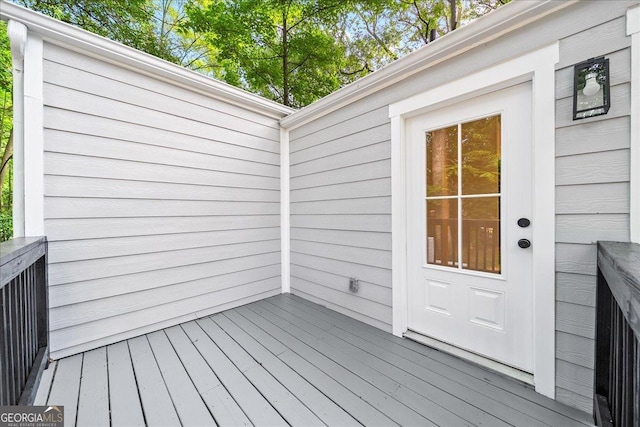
pixel 5 58
pixel 291 51
pixel 6 124
pixel 6 227
pixel 283 50
pixel 131 22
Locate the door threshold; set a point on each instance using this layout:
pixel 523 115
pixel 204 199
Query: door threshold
pixel 484 362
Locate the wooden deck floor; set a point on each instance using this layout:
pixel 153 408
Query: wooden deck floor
pixel 287 361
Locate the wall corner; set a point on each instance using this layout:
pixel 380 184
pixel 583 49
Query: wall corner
pixel 285 207
pixel 633 30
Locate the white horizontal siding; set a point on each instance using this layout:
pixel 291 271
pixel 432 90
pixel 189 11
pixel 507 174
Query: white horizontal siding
pixel 161 204
pixel 64 164
pixel 340 214
pixel 234 159
pixel 79 250
pixel 97 228
pixel 78 271
pixel 78 292
pixel 73 314
pixel 592 200
pixel 136 79
pixel 159 317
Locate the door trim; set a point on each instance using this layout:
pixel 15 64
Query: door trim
pixel 538 67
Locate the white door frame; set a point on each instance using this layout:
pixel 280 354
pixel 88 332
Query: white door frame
pixel 538 67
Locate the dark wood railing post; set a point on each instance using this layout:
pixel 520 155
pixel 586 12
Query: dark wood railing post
pixel 24 319
pixel 616 399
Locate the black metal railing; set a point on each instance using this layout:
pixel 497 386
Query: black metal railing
pixel 24 319
pixel 617 354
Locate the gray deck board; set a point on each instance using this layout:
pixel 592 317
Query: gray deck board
pixel 349 401
pixel 189 406
pixel 291 409
pixel 93 404
pixel 66 387
pixel 318 403
pixel 394 409
pixel 363 365
pixel 478 378
pixel 287 361
pixel 224 409
pixel 437 399
pixel 442 389
pixel 124 400
pixel 45 385
pixel 156 401
pixel 254 405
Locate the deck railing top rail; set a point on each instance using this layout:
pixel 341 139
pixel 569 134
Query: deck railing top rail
pixel 24 314
pixel 17 254
pixel 617 349
pixel 619 263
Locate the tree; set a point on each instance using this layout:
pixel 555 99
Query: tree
pixel 132 22
pixel 6 125
pixel 284 50
pixel 384 31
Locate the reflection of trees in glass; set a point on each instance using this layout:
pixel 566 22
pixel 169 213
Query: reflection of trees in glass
pixel 481 156
pixel 480 151
pixel 442 162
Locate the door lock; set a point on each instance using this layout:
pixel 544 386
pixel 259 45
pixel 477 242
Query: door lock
pixel 524 243
pixel 524 222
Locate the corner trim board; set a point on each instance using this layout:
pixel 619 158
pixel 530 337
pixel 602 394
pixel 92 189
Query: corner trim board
pixel 539 67
pixel 633 30
pixel 285 210
pixel 34 136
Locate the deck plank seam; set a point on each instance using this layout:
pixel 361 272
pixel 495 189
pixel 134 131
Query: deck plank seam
pixel 135 378
pixel 175 409
pixel 222 384
pixel 190 379
pixel 75 421
pixel 50 385
pixel 242 373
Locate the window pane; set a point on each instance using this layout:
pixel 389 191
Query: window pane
pixel 442 232
pixel 442 162
pixel 481 156
pixel 481 234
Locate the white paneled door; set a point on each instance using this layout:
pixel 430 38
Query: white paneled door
pixel 469 195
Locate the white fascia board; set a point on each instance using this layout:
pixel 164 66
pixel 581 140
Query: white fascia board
pixel 66 35
pixel 507 18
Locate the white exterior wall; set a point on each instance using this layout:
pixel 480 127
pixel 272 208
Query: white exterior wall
pixel 341 189
pixel 160 204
